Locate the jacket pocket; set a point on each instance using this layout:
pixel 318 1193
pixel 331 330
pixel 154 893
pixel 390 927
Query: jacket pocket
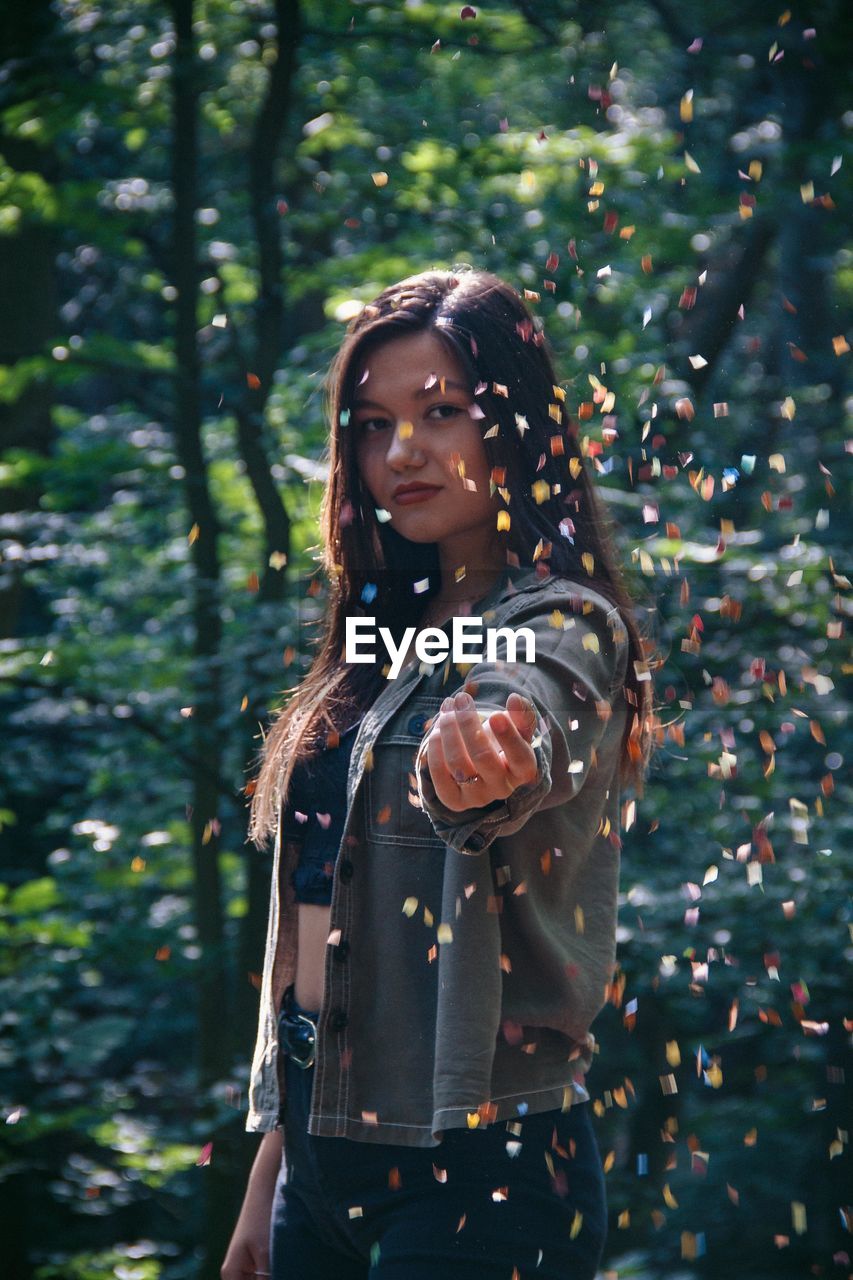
pixel 394 813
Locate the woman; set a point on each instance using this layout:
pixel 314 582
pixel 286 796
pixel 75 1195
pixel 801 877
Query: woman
pixel 442 920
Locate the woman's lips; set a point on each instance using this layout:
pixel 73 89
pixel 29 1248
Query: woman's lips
pixel 410 496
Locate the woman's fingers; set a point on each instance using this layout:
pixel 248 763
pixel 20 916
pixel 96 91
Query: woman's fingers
pixel 519 756
pixel 523 715
pixel 472 762
pixel 469 750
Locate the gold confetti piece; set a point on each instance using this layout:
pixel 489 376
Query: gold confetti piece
pixel 541 491
pixel 784 18
pixel 626 233
pixel 789 408
pixel 798 1217
pixel 588 562
pixel 688 1246
pixel 686 107
pixel 807 192
pixel 138 864
pixel 668 1198
pixel 580 923
pixel 624 1219
pixel 577 1223
pixel 429 918
pixel 193 534
pixel 405 430
pixel 776 462
pixel 714 1076
pixel 473 1119
pixel 673 1053
pixel 410 906
pixel 503 521
pixel 380 179
pixel 278 560
pixel 444 933
pixel 597 189
pixel 690 163
pixel 755 170
pixel 590 642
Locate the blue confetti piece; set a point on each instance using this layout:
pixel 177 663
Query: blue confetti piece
pixel 642 1165
pixel 344 417
pixel 522 1108
pixel 369 592
pixel 747 463
pixel 731 475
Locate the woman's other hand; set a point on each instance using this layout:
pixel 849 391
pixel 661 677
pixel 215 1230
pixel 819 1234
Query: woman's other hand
pixel 248 1252
pixel 474 762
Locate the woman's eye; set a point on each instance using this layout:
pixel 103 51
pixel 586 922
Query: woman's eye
pixel 371 425
pixel 445 411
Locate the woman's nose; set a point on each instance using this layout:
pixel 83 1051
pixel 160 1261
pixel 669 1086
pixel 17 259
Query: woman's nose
pixel 403 447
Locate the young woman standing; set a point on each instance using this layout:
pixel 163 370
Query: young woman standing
pixel 443 907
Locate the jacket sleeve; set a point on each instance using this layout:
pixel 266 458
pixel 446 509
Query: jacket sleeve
pixel 578 671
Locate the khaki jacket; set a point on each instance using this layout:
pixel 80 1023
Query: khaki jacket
pixel 469 952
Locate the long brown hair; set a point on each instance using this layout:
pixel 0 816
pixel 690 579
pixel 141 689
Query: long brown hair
pixel 557 519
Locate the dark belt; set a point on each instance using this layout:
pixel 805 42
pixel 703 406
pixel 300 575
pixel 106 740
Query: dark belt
pixel 297 1034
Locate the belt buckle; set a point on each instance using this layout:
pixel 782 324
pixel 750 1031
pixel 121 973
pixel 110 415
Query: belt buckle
pixel 309 1044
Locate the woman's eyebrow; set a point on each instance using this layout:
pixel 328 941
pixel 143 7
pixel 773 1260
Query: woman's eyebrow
pixel 442 384
pixel 435 389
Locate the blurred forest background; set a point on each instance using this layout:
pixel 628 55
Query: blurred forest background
pixel 194 198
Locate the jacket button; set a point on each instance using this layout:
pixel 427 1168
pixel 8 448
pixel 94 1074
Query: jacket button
pixel 417 724
pixel 341 951
pixel 345 870
pixel 338 1020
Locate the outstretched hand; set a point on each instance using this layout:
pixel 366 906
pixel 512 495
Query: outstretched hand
pixel 473 762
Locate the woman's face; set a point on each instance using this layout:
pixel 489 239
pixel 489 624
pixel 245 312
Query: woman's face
pixel 419 451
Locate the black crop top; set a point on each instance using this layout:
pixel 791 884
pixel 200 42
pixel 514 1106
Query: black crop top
pixel 315 815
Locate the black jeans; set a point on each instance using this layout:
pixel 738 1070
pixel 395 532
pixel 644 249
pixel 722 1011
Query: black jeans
pixel 477 1206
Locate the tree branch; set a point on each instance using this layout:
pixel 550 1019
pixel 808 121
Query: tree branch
pixel 151 728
